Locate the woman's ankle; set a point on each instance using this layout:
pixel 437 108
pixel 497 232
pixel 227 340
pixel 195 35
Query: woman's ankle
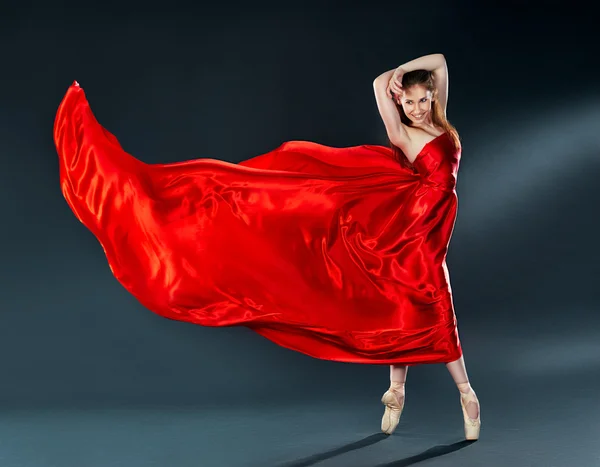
pixel 464 388
pixel 472 406
pixel 397 386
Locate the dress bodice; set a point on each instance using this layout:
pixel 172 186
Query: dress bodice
pixel 438 162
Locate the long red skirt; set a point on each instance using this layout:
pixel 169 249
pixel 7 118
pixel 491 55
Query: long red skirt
pixel 338 253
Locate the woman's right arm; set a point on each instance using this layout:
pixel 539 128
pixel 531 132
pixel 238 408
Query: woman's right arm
pixel 389 113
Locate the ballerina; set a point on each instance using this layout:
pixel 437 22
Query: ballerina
pixel 412 101
pixel 338 253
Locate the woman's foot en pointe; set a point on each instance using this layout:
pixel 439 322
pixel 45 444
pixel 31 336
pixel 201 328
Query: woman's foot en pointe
pixel 393 400
pixel 471 411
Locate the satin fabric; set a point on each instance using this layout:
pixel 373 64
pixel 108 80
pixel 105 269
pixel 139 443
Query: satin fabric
pixel 338 253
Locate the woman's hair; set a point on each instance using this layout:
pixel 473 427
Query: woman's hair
pixel 425 78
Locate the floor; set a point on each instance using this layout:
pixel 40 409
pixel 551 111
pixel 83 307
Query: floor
pixel 534 413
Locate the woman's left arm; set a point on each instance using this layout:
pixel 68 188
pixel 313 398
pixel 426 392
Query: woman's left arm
pixel 436 63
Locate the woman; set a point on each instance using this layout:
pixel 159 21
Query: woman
pixel 412 102
pixel 338 253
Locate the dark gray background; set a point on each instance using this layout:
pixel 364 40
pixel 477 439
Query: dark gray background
pixel 176 82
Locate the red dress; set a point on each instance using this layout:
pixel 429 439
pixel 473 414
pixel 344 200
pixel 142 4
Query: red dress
pixel 338 253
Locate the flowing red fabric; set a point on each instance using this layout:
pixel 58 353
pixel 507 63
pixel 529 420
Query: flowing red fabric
pixel 338 253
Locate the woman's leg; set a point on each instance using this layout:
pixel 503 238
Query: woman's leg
pixel 398 374
pixel 398 381
pixel 468 399
pixel 458 371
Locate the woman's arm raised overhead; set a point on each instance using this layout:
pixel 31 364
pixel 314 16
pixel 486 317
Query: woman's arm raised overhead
pixel 387 109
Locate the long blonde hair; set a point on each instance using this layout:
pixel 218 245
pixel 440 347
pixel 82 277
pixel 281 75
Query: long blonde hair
pixel 425 78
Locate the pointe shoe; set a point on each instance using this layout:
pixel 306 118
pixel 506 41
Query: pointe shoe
pixel 393 409
pixel 472 426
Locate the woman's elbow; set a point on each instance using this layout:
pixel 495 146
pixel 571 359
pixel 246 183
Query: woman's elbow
pixel 380 82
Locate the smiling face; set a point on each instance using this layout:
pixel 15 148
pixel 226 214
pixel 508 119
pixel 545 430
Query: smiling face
pixel 416 103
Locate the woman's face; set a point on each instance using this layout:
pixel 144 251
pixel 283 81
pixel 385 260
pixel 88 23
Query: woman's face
pixel 416 103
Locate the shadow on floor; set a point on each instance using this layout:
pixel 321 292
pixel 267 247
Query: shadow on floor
pixel 435 451
pixel 312 460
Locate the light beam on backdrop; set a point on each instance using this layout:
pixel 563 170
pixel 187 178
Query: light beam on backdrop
pixel 518 165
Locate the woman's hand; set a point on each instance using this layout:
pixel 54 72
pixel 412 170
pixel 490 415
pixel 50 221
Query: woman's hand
pixel 395 85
